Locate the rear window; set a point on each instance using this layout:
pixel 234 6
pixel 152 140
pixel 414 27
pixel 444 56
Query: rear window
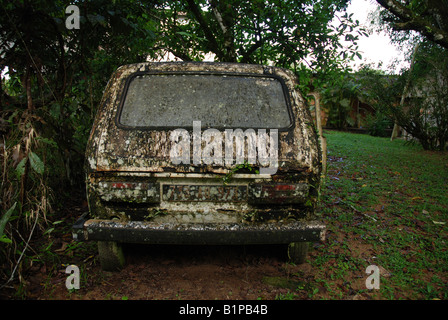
pixel 218 101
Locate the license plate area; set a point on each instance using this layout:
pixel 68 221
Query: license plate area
pixel 203 193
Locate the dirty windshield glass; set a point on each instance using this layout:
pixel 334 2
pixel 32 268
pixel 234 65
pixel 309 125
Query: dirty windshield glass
pixel 216 100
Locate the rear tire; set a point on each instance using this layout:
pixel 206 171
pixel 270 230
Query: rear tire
pixel 298 252
pixel 111 255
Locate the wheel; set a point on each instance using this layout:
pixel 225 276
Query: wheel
pixel 111 255
pixel 298 252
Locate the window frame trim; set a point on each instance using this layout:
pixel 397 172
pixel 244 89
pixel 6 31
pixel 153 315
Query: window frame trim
pixel 190 127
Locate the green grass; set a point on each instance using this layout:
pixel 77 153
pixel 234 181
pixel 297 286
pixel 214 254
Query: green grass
pixel 385 203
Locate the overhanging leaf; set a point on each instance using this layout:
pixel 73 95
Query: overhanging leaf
pixel 36 163
pixel 20 169
pixel 345 103
pixel 5 239
pixel 5 218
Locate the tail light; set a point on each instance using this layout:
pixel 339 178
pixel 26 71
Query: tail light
pixel 278 193
pixel 136 192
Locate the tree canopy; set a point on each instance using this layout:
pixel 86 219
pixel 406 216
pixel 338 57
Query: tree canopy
pixel 428 17
pixel 287 33
pixel 37 47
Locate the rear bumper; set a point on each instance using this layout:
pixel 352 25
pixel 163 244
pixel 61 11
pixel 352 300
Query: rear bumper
pixel 206 234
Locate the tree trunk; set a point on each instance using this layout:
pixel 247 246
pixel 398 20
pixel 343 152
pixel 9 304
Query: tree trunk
pixel 27 84
pixel 323 140
pixel 405 91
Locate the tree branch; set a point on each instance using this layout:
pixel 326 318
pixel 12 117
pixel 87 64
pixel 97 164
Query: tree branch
pixel 212 44
pixel 247 54
pixel 412 21
pixel 230 54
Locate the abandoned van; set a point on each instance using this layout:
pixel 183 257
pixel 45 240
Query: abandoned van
pixel 201 153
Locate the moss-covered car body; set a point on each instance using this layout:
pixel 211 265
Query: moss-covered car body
pixel 139 192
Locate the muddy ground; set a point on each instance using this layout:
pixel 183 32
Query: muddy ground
pixel 177 272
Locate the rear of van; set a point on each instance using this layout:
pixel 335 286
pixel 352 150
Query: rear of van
pixel 201 153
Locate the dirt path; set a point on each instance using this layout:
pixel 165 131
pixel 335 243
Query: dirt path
pixel 181 273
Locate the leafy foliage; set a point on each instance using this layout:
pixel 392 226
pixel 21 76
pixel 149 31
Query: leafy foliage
pixel 291 34
pixel 54 83
pixel 417 99
pixel 378 123
pixel 427 17
pixel 338 98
